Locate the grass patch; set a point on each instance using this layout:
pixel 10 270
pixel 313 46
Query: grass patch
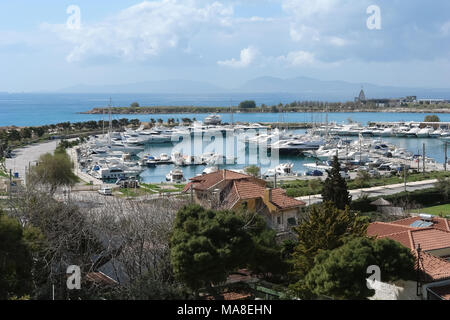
pixel 442 211
pixel 163 188
pixel 130 192
pixel 300 188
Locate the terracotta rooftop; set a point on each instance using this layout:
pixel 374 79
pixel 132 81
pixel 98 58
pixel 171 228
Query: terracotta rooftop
pixel 101 278
pixel 381 229
pixel 244 187
pixel 437 236
pixel 435 268
pixel 282 201
pixel 439 223
pixel 206 181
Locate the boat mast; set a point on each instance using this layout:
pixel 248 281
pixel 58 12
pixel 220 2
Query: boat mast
pixel 110 123
pixel 232 115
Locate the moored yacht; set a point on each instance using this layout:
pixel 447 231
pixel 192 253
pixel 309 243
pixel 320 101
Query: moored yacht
pixel 175 175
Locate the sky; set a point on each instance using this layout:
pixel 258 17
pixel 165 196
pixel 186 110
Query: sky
pixel 54 44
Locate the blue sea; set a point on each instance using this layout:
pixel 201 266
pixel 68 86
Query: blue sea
pixel 40 109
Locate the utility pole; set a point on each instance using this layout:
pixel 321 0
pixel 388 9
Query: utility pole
pixel 110 123
pixel 445 156
pixel 404 175
pixel 418 161
pixel 423 158
pixel 10 185
pixel 418 273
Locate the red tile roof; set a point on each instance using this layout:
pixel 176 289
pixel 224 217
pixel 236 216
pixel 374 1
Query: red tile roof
pixel 244 187
pixel 435 268
pixel 282 201
pixel 430 239
pixel 100 277
pixel 382 229
pixel 206 181
pixel 434 237
pixel 439 223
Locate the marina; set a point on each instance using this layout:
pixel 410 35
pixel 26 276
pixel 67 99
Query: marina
pixel 176 154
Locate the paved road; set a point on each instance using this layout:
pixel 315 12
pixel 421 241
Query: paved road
pixel 377 191
pixel 25 156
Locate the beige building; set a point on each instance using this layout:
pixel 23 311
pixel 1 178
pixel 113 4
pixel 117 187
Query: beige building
pixel 229 190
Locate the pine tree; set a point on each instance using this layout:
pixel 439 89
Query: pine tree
pixel 323 228
pixel 335 187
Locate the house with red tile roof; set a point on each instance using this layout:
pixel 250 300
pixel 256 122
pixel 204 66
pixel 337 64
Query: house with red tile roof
pixel 229 190
pixel 428 238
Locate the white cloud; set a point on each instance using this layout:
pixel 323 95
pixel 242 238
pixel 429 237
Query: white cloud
pixel 144 30
pixel 338 41
pixel 304 9
pixel 298 58
pixel 247 57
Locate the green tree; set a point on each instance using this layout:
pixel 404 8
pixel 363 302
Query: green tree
pixel 266 256
pixel 443 185
pixel 247 104
pixel 342 273
pixel 39 131
pixel 134 105
pixel 335 187
pixel 14 135
pixel 432 118
pixel 15 260
pixel 253 170
pixel 207 245
pixel 54 170
pixel 324 227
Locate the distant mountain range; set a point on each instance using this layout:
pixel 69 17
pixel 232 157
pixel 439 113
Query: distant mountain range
pixel 305 88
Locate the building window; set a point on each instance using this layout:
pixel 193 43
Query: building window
pixel 279 220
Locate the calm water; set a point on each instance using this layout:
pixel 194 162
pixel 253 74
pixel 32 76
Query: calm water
pixel 434 149
pixel 39 109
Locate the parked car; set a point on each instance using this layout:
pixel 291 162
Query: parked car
pixel 105 191
pixel 345 175
pixel 314 173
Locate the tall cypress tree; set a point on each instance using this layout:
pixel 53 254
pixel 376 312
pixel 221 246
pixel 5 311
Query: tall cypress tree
pixel 335 187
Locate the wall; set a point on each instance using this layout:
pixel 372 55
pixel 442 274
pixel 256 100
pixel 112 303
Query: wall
pixel 400 290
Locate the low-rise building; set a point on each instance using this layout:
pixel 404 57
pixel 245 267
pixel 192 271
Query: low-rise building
pixel 229 190
pixel 429 240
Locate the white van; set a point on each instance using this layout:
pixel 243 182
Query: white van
pixel 105 191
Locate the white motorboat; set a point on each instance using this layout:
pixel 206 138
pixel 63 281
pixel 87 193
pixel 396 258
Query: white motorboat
pixel 425 132
pixel 176 175
pixel 213 119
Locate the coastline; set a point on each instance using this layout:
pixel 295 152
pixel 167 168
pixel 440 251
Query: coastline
pixel 226 110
